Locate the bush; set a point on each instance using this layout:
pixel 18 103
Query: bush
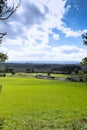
pixel 13 72
pixel 2 74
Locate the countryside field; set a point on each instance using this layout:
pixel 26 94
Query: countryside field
pixel 38 104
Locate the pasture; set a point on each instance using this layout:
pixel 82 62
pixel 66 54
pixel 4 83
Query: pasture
pixel 38 104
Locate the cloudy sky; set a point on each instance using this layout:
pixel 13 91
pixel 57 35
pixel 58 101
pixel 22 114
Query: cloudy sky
pixel 46 30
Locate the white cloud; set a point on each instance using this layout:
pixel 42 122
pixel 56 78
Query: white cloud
pixel 3 49
pixel 46 53
pixel 69 53
pixel 30 30
pixel 71 33
pixel 56 36
pixel 37 32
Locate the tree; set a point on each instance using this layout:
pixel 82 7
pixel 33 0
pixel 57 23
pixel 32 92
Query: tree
pixel 5 12
pixel 84 60
pixel 84 37
pixel 3 57
pixel 49 73
pixel 13 72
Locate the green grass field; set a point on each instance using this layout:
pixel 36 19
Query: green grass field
pixel 38 104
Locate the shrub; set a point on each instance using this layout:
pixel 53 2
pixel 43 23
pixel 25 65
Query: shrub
pixel 4 74
pixel 13 72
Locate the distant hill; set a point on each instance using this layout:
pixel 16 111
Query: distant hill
pixel 46 62
pixel 42 67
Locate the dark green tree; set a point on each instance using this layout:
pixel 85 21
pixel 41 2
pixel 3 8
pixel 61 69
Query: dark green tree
pixel 84 37
pixel 84 60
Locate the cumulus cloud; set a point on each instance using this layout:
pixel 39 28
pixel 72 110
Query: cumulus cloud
pixel 71 33
pixel 56 36
pixel 29 31
pixel 35 22
pixel 31 14
pixel 61 53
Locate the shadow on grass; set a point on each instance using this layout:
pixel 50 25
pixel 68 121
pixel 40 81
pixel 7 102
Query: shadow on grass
pixel 1 123
pixel 0 88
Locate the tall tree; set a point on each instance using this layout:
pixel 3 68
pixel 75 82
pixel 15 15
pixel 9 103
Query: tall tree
pixel 5 12
pixel 84 60
pixel 84 37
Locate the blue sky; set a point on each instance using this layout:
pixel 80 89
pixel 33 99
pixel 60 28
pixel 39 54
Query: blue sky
pixel 46 30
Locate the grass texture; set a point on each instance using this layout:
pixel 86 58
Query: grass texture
pixel 40 104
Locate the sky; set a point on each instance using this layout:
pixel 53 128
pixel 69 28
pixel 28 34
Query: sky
pixel 46 30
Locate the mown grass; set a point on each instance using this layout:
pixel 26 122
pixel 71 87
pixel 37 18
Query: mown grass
pixel 34 74
pixel 43 104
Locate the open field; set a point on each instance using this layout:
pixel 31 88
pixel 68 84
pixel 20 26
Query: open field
pixel 33 74
pixel 38 104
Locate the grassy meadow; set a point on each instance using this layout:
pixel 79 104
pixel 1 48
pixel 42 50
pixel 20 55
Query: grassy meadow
pixel 38 104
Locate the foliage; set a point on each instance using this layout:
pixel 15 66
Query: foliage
pixel 84 37
pixel 5 12
pixel 3 57
pixel 82 75
pixel 42 68
pixel 13 72
pixel 49 73
pixel 84 61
